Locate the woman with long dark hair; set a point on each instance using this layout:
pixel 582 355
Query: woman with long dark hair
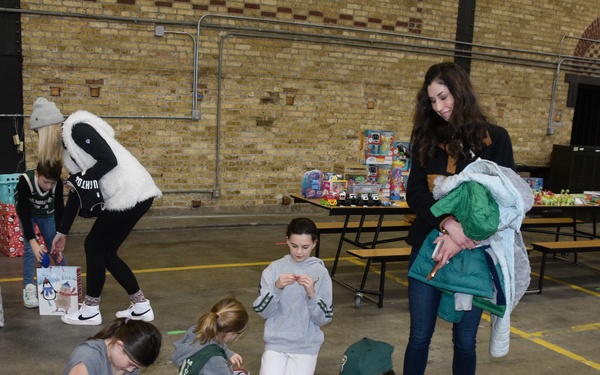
pixel 450 131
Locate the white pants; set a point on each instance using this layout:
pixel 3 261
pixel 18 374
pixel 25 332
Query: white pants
pixel 277 363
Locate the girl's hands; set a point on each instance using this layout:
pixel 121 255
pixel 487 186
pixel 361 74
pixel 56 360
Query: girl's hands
pixel 285 279
pixel 236 360
pixel 307 282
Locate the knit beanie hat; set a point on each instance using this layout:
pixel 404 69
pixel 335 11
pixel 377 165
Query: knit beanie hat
pixel 44 113
pixel 367 357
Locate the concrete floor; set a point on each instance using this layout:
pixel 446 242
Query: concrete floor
pixel 184 264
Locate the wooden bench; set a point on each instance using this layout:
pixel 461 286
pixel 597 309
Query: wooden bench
pixel 532 224
pixel 382 256
pixel 330 227
pixel 560 247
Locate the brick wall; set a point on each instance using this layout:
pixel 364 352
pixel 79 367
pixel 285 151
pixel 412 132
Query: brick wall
pixel 292 99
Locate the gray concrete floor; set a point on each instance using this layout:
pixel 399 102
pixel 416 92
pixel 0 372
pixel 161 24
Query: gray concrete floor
pixel 184 264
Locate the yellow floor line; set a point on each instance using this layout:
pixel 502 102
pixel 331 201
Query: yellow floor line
pixel 595 294
pixel 580 328
pixel 547 345
pixel 533 337
pixel 186 268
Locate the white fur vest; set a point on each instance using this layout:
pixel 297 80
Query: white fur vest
pixel 126 184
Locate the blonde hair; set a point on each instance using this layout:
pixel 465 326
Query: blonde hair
pixel 226 316
pixel 50 145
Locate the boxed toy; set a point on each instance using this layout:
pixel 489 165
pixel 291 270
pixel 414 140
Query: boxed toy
pixel 312 184
pixel 535 183
pixel 380 174
pixel 333 186
pixel 377 147
pixel 402 155
pixel 398 181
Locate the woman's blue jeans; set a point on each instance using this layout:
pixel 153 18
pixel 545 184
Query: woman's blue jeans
pixel 48 230
pixel 424 301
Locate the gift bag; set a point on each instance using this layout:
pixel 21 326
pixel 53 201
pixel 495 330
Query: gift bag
pixel 59 289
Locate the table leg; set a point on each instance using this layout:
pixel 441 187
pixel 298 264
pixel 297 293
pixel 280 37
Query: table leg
pixel 340 245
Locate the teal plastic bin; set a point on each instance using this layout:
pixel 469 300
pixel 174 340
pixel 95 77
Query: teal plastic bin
pixel 8 184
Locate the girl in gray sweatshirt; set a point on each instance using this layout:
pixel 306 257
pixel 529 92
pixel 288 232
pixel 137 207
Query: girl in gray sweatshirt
pixel 295 298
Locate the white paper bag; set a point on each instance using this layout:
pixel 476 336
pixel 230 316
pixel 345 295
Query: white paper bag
pixel 59 289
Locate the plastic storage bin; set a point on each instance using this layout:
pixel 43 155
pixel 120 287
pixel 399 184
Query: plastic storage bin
pixel 8 184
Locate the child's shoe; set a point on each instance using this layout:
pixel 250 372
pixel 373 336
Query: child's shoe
pixel 30 298
pixel 85 316
pixel 138 311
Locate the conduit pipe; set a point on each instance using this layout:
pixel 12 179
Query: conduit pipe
pixel 368 43
pixel 391 45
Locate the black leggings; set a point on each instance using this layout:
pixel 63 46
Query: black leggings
pixel 102 243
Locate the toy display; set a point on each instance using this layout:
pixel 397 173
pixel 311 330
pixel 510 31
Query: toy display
pixel 380 179
pixel 548 198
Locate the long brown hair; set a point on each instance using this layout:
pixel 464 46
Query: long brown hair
pixel 467 126
pixel 141 340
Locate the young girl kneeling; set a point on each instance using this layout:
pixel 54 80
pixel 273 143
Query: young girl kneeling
pixel 203 350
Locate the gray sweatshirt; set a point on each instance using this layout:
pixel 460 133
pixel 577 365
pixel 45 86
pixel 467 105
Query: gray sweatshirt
pixel 293 320
pixel 185 347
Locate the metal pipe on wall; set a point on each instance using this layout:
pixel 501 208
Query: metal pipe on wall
pixel 505 55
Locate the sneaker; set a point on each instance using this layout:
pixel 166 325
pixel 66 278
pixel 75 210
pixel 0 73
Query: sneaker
pixel 85 316
pixel 30 298
pixel 138 311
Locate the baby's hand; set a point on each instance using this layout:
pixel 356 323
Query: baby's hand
pixel 236 360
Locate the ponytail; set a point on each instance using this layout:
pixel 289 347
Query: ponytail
pixel 226 316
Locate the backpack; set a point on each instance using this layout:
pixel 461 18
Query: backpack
pixel 194 363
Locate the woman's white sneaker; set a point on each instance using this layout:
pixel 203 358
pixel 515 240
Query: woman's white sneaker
pixel 138 311
pixel 85 316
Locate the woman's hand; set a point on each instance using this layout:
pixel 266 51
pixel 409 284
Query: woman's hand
pixel 455 231
pixel 448 250
pixel 58 244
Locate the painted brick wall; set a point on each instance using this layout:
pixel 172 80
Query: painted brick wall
pixel 287 105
